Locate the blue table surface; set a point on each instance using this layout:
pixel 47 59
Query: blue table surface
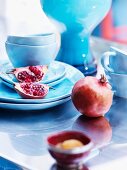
pixel 23 134
pixel 26 131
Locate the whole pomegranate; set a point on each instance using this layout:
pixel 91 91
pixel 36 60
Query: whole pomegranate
pixel 92 97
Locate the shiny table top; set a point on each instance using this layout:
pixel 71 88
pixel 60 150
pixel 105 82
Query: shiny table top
pixel 23 133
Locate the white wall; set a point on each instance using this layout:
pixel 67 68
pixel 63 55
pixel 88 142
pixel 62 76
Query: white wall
pixel 19 17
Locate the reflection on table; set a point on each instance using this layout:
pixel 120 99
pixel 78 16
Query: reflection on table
pixel 23 133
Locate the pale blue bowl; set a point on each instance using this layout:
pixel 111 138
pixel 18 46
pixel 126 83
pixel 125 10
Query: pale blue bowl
pixel 26 55
pixel 34 40
pixel 118 81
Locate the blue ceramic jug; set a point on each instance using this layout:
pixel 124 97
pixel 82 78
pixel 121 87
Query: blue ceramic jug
pixel 76 19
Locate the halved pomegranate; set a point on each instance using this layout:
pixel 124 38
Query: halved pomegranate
pixel 31 90
pixel 29 74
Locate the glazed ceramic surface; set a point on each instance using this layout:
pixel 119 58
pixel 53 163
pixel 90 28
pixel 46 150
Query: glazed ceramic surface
pixel 112 60
pixel 34 40
pixel 71 157
pixel 116 59
pixel 26 55
pixel 56 71
pixel 118 83
pixel 76 19
pixel 20 106
pixel 62 90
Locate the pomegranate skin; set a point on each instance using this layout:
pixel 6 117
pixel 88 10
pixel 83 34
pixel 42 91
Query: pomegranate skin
pixel 92 97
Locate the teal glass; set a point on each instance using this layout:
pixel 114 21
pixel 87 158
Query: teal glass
pixel 76 19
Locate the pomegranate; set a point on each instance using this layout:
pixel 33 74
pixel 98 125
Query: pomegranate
pixel 31 90
pixel 30 73
pixel 98 129
pixel 92 97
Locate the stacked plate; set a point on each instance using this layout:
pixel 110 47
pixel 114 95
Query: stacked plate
pixel 61 76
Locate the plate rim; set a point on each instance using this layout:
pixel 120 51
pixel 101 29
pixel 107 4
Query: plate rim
pixel 45 81
pixel 41 101
pixel 39 106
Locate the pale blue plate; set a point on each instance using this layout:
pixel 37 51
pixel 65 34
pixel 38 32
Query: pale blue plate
pixel 55 72
pixel 20 106
pixel 62 89
pixel 10 83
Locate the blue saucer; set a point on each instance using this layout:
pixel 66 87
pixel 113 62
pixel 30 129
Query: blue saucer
pixel 55 72
pixel 21 106
pixel 62 89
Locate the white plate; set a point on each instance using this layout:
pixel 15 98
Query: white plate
pixel 62 90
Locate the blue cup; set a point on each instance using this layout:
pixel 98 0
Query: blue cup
pixel 114 63
pixel 26 55
pixel 115 60
pixel 34 40
pixel 118 82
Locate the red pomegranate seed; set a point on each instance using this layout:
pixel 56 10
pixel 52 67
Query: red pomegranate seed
pixel 30 73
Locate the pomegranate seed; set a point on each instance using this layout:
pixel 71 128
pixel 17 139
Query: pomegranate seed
pixel 29 74
pixel 27 86
pixel 40 93
pixel 32 91
pixel 35 93
pixel 33 78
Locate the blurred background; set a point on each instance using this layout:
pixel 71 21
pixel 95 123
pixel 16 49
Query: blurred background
pixel 114 26
pixel 20 17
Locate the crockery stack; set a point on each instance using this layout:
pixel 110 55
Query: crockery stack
pixel 40 49
pixel 114 63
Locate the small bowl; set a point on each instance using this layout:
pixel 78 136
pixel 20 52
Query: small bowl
pixel 72 157
pixel 25 55
pixel 118 81
pixel 116 59
pixel 33 40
